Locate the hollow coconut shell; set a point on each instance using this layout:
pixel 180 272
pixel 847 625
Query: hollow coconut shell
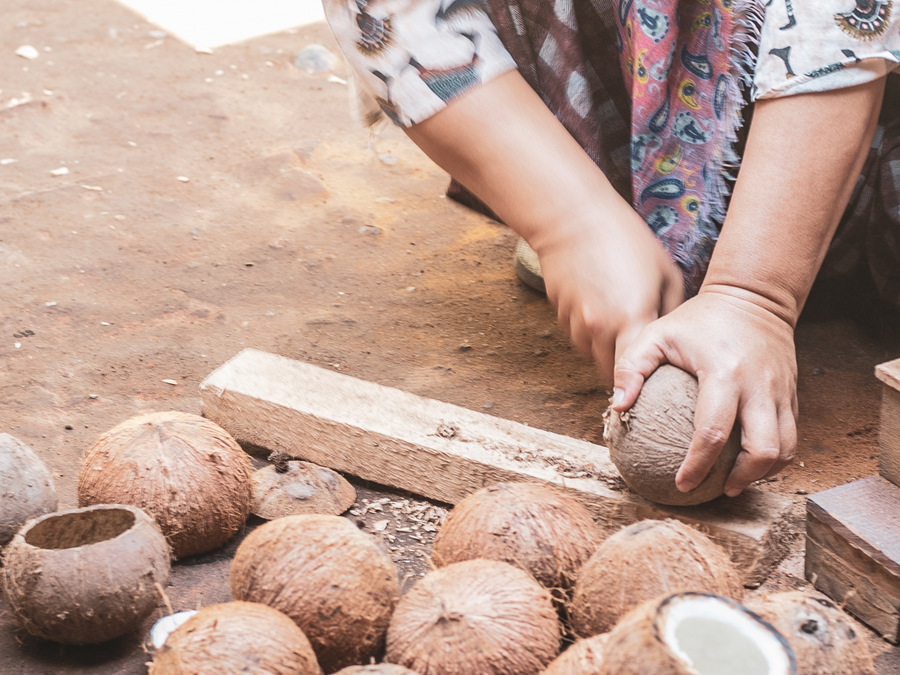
pixel 532 526
pixel 825 640
pixel 294 488
pixel 182 469
pixel 695 634
pixel 26 487
pixel 234 638
pixel 334 581
pixel 87 575
pixel 645 560
pixel 377 669
pixel 649 442
pixel 583 657
pixel 476 616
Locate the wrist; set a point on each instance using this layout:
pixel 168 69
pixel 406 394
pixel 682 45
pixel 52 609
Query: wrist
pixel 773 301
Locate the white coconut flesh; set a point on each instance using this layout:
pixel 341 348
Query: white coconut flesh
pixel 163 628
pixel 713 636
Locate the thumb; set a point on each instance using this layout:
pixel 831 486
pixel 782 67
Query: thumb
pixel 634 364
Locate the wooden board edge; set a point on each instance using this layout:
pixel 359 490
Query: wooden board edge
pixel 889 373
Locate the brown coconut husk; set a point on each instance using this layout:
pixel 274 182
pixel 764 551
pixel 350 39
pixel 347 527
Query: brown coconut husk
pixel 184 470
pixel 377 669
pixel 532 526
pixel 643 561
pixel 583 657
pixel 334 581
pixel 86 575
pixel 292 488
pixel 636 647
pixel 477 616
pixel 235 638
pixel 825 640
pixel 26 487
pixel 649 442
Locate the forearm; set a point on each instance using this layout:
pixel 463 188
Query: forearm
pixel 803 156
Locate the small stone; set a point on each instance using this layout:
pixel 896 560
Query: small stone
pixel 27 52
pixel 315 59
pixel 61 171
pixel 801 492
pixel 365 229
pixel 183 179
pixel 52 303
pixel 69 427
pixel 172 382
pixel 487 405
pixel 388 159
pixel 464 347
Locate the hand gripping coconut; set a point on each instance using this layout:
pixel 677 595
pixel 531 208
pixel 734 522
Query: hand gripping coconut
pixel 86 575
pixel 182 469
pixel 26 487
pixel 235 638
pixel 649 442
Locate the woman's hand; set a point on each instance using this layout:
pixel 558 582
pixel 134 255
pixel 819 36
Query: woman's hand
pixel 743 356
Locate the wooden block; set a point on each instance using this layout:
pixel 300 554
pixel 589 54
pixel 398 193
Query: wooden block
pixel 853 550
pixel 889 429
pixel 445 452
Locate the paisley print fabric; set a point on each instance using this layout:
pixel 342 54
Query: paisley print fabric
pixel 826 44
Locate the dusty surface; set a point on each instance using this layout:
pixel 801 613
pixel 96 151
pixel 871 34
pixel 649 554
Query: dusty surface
pixel 296 233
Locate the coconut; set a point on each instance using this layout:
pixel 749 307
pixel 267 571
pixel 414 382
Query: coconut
pixel 184 470
pixel 377 669
pixel 583 657
pixel 643 561
pixel 695 634
pixel 235 638
pixel 825 640
pixel 85 575
pixel 649 442
pixel 293 488
pixel 334 581
pixel 477 616
pixel 26 487
pixel 532 526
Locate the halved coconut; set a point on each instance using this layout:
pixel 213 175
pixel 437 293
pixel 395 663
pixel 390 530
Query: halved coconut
pixel 696 634
pixel 825 640
pixel 293 488
pixel 583 657
pixel 477 616
pixel 26 487
pixel 529 525
pixel 235 638
pixel 86 575
pixel 649 442
pixel 643 561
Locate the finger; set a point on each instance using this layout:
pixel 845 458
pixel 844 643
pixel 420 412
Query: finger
pixel 761 443
pixel 634 364
pixel 714 417
pixel 787 425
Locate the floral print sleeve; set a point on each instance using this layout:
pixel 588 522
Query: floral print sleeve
pixel 411 57
pixel 819 45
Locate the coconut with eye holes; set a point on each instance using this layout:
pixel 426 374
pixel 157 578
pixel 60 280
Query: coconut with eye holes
pixel 642 561
pixel 292 488
pixel 825 640
pixel 85 575
pixel 184 470
pixel 649 442
pixel 26 487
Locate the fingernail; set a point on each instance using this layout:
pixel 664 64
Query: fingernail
pixel 618 397
pixel 733 492
pixel 685 485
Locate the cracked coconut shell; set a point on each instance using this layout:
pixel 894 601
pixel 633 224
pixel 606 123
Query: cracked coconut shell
pixel 334 581
pixel 645 560
pixel 182 469
pixel 234 638
pixel 477 616
pixel 86 575
pixel 649 442
pixel 583 657
pixel 293 488
pixel 535 527
pixel 825 640
pixel 26 487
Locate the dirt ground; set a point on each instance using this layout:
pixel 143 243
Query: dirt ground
pixel 296 232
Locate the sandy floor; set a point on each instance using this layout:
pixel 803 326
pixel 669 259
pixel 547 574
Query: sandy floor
pixel 296 233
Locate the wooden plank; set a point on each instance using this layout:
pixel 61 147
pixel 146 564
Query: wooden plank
pixel 889 373
pixel 445 452
pixel 853 550
pixel 889 435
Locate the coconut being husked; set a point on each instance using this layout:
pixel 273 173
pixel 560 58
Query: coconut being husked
pixel 645 560
pixel 26 487
pixel 695 634
pixel 476 616
pixel 583 657
pixel 825 640
pixel 291 488
pixel 86 575
pixel 649 442
pixel 334 581
pixel 235 638
pixel 532 526
pixel 184 470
